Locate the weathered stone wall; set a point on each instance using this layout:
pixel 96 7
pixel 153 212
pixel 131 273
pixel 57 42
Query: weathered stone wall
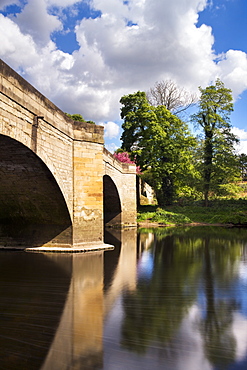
pixel 50 137
pixel 68 154
pixel 124 177
pixel 88 183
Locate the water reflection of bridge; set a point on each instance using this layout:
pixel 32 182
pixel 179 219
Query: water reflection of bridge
pixel 53 306
pixel 77 343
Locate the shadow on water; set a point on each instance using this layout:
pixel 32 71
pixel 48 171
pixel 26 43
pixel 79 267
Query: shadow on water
pixel 51 311
pixel 111 259
pixel 33 292
pixel 20 236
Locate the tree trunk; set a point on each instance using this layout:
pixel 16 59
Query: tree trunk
pixel 165 194
pixel 208 159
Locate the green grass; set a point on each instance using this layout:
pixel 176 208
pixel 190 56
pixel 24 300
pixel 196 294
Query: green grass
pixel 219 211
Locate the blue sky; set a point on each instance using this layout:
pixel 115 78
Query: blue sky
pixel 85 55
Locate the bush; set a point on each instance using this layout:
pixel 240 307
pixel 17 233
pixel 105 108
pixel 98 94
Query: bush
pixel 235 218
pixel 228 190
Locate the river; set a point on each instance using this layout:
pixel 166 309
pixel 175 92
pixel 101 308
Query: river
pixel 165 298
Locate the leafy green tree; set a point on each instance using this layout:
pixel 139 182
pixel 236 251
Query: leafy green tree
pixel 219 162
pixel 243 166
pixel 78 117
pixel 159 142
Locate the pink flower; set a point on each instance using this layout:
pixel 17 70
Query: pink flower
pixel 124 158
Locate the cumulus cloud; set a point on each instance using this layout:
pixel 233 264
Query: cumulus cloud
pixel 62 3
pixel 240 133
pixel 36 22
pixel 128 48
pixel 5 3
pixel 111 147
pixel 111 129
pixel 242 136
pixel 233 70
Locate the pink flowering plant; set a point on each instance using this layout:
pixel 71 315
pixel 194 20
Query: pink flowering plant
pixel 125 158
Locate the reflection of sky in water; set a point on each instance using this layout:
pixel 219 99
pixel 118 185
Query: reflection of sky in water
pixel 243 273
pixel 241 288
pixel 145 266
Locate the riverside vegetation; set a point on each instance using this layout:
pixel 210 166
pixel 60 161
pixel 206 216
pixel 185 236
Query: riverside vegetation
pixel 232 212
pixel 227 210
pixel 176 163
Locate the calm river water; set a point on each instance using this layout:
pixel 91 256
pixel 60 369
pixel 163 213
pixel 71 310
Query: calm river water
pixel 162 299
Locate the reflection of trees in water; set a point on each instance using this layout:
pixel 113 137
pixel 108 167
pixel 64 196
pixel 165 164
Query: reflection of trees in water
pixel 219 342
pixel 185 264
pixel 155 310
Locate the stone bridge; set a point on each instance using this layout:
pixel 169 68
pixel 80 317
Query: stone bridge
pixel 58 184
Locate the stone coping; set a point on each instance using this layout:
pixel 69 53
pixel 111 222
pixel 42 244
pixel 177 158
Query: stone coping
pixel 80 248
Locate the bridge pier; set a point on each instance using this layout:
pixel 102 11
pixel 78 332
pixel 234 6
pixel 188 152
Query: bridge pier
pixel 88 184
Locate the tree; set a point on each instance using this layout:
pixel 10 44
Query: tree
pixel 167 93
pixel 78 117
pixel 243 166
pixel 158 141
pixel 219 162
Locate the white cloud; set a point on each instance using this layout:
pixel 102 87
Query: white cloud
pixel 241 147
pixel 114 57
pixel 18 49
pixel 111 129
pixel 62 3
pixel 240 133
pixel 111 147
pixel 4 3
pixel 233 70
pixel 36 22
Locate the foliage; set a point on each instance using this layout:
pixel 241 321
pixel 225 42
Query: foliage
pixel 159 142
pixel 167 217
pixel 193 264
pixel 236 218
pixel 125 158
pixel 243 166
pixel 78 117
pixel 217 162
pixel 224 211
pixel 226 190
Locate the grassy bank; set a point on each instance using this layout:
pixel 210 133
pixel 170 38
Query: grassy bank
pixel 219 212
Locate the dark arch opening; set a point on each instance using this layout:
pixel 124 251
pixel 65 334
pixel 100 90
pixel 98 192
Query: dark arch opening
pixel 112 205
pixel 29 193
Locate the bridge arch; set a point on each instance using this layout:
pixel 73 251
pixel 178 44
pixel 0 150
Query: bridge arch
pixel 111 202
pixel 29 193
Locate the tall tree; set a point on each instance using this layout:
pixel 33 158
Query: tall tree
pixel 174 98
pixel 213 117
pixel 243 166
pixel 158 141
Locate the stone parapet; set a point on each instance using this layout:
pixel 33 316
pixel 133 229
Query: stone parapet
pixel 123 176
pixel 113 162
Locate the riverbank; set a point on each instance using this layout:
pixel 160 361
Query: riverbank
pixel 150 225
pixel 227 212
